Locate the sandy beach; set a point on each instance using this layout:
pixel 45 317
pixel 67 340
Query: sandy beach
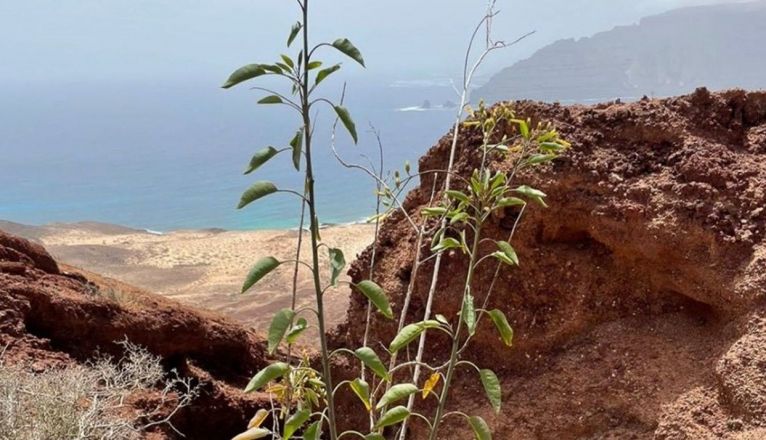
pixel 201 268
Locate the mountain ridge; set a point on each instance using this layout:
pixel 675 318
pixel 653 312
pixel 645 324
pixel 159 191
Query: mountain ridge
pixel 662 55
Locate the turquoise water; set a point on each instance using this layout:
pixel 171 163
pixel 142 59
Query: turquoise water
pixel 163 157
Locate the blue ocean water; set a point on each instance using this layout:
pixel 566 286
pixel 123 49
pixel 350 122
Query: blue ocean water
pixel 162 156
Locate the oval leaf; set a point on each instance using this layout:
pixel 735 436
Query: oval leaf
pixel 469 314
pixel 506 332
pixel 324 73
pixel 362 390
pixel 396 393
pixel 255 192
pixel 374 436
pixel 313 432
pixel 492 387
pixel 375 294
pixel 253 434
pixel 348 49
pixel 260 270
pixel 430 384
pixel 345 118
pixel 337 263
pixel 392 417
pixel 244 73
pixel 271 99
pixel 294 32
pixel 273 371
pixel 480 428
pixel 409 333
pixel 297 145
pixel 279 325
pixel 300 326
pixel 260 158
pixel 368 356
pixel 295 421
pixel 509 251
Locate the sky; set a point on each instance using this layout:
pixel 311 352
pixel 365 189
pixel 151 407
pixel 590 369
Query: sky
pixel 188 41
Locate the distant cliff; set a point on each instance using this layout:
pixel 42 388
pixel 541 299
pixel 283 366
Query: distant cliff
pixel 719 46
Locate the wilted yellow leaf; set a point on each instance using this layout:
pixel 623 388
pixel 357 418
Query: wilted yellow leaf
pixel 258 419
pixel 430 384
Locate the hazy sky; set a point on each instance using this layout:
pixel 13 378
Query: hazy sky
pixel 200 40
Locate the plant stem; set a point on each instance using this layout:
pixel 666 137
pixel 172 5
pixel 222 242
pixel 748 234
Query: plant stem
pixel 305 109
pixel 456 339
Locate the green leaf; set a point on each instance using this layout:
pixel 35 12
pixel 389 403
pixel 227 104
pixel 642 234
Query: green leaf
pixel 324 73
pixel 492 387
pixel 259 270
pixel 469 314
pixel 272 68
pixel 433 212
pixel 457 195
pixel 392 417
pixel 297 145
pixel 294 32
pixel 442 320
pixel 480 428
pixel 362 390
pixel 255 192
pixel 313 432
pixel 374 436
pixel 446 243
pixel 523 127
pixel 288 61
pixel 245 73
pixel 296 330
pixel 396 393
pixel 534 194
pixel 273 371
pixel 295 421
pixel 552 147
pixel 314 65
pixel 368 356
pixel 279 325
pixel 271 99
pixel 375 294
pixel 260 158
pixel 537 159
pixel 409 333
pixel 508 251
pixel 506 332
pixel 253 434
pixel 348 49
pixel 510 201
pixel 337 263
pixel 345 118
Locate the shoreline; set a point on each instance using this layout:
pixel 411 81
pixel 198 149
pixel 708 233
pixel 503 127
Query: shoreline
pixel 203 268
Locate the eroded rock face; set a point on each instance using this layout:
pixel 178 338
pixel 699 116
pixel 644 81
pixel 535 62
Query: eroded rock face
pixel 636 287
pixel 49 319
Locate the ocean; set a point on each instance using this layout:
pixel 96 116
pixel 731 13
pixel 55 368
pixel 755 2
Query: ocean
pixel 161 156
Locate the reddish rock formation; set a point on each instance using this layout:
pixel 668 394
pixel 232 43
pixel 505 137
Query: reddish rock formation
pixel 639 305
pixel 49 318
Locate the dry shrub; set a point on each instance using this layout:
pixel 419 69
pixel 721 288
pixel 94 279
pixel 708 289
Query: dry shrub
pixel 91 401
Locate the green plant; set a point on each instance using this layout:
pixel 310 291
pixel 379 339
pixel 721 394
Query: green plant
pixel 305 397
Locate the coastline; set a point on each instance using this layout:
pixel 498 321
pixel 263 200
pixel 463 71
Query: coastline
pixel 203 268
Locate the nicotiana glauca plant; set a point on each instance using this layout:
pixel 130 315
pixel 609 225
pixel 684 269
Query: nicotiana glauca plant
pixel 302 397
pixel 300 388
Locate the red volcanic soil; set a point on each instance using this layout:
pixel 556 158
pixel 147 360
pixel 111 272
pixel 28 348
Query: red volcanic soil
pixel 639 307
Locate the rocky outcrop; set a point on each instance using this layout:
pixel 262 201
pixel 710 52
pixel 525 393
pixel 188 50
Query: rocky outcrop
pixel 50 318
pixel 640 301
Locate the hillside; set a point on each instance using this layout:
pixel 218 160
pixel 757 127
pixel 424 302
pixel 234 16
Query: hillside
pixel 639 307
pixel 719 46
